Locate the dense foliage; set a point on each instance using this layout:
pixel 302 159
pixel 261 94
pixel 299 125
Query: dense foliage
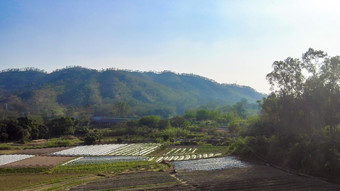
pixel 118 93
pixel 196 126
pixel 299 123
pixel 29 128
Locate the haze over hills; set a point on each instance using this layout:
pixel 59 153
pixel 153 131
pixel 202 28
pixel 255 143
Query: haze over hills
pixel 145 93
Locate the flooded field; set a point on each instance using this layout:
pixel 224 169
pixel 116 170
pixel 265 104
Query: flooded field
pixel 210 164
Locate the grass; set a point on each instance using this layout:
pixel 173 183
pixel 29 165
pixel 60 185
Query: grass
pixel 116 167
pixel 54 142
pixel 15 178
pixel 22 170
pixel 58 143
pixel 10 146
pixel 7 152
pixel 67 182
pixel 111 168
pixel 18 180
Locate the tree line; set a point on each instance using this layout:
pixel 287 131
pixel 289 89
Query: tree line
pixel 299 122
pixel 23 129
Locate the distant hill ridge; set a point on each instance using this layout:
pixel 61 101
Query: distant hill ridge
pixel 166 91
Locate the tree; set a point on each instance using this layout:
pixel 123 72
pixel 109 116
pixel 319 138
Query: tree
pixel 203 114
pixel 163 124
pixel 62 126
pixel 287 77
pixel 189 115
pixel 120 109
pixel 300 120
pixel 70 112
pixel 178 121
pixel 85 115
pixel 239 109
pixel 90 138
pixel 149 121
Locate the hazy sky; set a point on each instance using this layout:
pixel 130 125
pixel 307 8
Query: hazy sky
pixel 227 41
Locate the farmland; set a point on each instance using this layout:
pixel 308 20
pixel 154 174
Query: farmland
pixel 253 177
pixel 106 153
pixel 137 167
pixel 210 164
pixel 38 161
pixel 90 150
pixel 185 153
pixel 6 159
pixel 105 159
pixel 141 149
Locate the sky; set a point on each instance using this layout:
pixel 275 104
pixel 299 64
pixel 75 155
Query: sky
pixel 227 41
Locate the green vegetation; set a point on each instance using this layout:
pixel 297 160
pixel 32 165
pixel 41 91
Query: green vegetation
pixel 196 126
pixel 19 180
pixel 62 176
pixel 111 168
pixel 80 92
pixel 299 123
pixel 60 142
pixel 23 170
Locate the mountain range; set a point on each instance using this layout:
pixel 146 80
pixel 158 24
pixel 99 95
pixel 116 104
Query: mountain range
pixel 144 93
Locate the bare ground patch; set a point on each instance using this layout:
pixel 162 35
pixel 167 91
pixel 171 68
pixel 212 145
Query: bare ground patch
pixel 143 180
pixel 42 151
pixel 38 161
pixel 256 177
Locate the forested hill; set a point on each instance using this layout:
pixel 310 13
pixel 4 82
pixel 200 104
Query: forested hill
pixel 143 93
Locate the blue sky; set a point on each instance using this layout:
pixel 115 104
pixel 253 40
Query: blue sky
pixel 227 41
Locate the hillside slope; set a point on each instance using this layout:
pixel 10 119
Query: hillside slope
pixel 145 93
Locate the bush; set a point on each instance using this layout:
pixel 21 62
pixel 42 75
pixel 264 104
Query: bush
pixel 90 138
pixel 58 143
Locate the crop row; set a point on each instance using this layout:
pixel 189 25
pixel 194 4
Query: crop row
pixel 139 149
pixel 90 150
pixel 185 157
pixel 181 151
pixel 104 159
pixel 6 159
